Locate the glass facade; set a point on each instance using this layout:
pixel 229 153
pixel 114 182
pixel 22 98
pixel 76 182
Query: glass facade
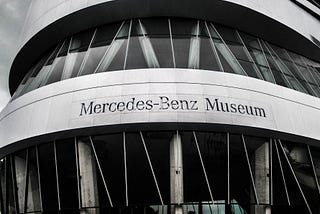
pixel 172 43
pixel 157 171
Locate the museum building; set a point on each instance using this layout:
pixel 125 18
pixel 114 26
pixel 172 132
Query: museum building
pixel 168 107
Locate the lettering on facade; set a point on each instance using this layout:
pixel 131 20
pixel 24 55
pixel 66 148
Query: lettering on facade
pixel 165 103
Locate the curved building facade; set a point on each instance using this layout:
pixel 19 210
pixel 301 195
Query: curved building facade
pixel 158 107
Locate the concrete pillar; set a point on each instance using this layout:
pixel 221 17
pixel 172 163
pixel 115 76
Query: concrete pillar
pixel 261 168
pixel 33 195
pixel 88 178
pixel 20 168
pixel 176 174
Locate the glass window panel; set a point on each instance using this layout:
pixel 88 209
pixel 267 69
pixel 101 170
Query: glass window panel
pixel 249 68
pixel 238 51
pixel 79 45
pixel 181 34
pixel 136 57
pixel 67 174
pixel 208 58
pixel 300 161
pixel 141 185
pixel 295 84
pixel 258 57
pixel 110 153
pixel 213 32
pixel 105 35
pixel 48 177
pixel 156 26
pixel 158 145
pixel 10 188
pixel 315 153
pixel 181 51
pixel 33 191
pixel 229 63
pixel 194 50
pixel 279 78
pixel 183 27
pixel 115 56
pixel 227 34
pixel 315 74
pixel 2 185
pixel 162 49
pixel 194 183
pixel 57 70
pixel 213 148
pixel 316 89
pixel 250 41
pixel 37 76
pixel 280 52
pixel 157 45
pixel 240 181
pixel 278 182
pixel 267 75
pixel 99 46
pixel 20 161
pixel 293 189
pixel 290 65
pixel 40 80
pixel 296 58
pixel 307 75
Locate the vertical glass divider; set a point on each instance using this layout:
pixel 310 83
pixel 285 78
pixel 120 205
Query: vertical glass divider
pixel 251 174
pixel 203 168
pixel 57 177
pixel 214 48
pixel 78 171
pixel 151 167
pixel 127 48
pixel 100 170
pixel 26 182
pixel 282 174
pixel 295 177
pixel 87 53
pixel 125 167
pixel 171 41
pixel 105 53
pixel 313 169
pixel 39 176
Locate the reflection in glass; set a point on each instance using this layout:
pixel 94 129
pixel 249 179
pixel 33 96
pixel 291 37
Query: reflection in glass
pixel 20 161
pixel 33 190
pixel 171 43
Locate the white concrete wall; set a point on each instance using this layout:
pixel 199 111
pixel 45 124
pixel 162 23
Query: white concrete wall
pixel 56 107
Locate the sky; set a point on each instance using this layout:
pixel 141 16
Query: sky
pixel 12 16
